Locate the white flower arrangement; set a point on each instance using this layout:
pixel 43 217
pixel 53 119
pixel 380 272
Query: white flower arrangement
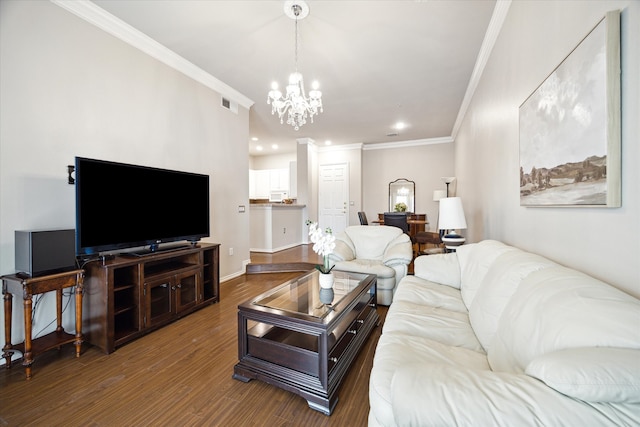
pixel 400 207
pixel 323 245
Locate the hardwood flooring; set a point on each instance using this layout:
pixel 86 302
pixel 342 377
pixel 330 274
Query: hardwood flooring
pixel 179 375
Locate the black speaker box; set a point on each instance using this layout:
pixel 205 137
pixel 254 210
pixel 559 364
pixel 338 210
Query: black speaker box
pixel 40 252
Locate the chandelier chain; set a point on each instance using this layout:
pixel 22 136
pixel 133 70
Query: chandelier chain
pixel 296 40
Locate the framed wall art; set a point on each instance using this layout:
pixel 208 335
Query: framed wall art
pixel 570 145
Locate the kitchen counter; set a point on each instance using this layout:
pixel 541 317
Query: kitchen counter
pixel 277 205
pixel 275 226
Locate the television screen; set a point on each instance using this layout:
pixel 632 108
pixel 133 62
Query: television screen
pixel 124 206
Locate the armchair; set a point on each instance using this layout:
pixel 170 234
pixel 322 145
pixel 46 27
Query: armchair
pixel 384 251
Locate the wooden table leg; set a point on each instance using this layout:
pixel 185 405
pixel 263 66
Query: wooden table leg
pixel 28 355
pixel 6 350
pixel 59 327
pixel 79 290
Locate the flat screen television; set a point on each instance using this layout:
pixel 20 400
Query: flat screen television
pixel 122 206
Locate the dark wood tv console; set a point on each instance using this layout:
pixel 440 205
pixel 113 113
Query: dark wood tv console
pixel 128 296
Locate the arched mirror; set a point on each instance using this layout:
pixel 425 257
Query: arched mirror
pixel 402 195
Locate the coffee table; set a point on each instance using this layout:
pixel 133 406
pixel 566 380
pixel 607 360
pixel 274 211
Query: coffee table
pixel 302 338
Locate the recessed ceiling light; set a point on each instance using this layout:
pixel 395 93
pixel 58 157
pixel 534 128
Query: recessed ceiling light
pixel 274 146
pixel 399 126
pixel 327 142
pixel 254 138
pixel 259 148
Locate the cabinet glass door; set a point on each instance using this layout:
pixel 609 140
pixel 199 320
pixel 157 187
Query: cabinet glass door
pixel 187 288
pixel 159 301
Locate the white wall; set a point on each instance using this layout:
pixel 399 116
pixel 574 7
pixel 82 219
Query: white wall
pixel 535 38
pixel 69 89
pixel 272 161
pixel 424 164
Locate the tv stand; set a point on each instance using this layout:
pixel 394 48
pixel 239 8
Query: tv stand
pixel 129 296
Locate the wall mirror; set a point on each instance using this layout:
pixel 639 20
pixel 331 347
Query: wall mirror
pixel 402 195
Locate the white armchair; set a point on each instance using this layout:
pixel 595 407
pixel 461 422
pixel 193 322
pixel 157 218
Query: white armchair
pixel 381 250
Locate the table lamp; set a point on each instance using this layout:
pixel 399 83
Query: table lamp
pixel 451 218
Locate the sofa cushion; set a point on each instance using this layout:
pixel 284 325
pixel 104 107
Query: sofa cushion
pixel 441 268
pixel 394 351
pixel 420 291
pixel 366 266
pixel 553 309
pixel 430 394
pixel 444 326
pixel 595 374
pixel 498 285
pixel 475 260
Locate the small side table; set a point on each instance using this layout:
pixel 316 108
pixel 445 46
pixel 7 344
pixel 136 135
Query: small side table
pixel 28 286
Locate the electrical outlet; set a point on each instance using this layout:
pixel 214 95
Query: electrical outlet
pixel 230 251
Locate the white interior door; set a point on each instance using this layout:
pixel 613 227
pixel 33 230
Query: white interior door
pixel 333 197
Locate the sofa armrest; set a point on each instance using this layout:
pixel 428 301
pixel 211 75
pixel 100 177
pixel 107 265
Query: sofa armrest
pixel 399 251
pixel 435 394
pixel 441 268
pixel 344 250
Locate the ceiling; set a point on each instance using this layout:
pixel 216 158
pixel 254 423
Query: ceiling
pixel 377 62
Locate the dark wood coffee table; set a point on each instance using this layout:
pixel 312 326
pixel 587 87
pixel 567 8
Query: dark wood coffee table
pixel 302 338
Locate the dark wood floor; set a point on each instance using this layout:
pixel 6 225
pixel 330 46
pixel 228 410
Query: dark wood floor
pixel 179 375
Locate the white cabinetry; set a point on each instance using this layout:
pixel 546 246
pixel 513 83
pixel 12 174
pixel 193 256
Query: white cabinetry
pixel 264 181
pixel 279 180
pixel 259 186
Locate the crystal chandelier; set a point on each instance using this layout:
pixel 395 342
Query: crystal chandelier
pixel 296 104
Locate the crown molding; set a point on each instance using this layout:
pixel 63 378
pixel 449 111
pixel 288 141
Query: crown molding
pixel 493 30
pixel 402 144
pixel 327 148
pixel 100 18
pixel 345 147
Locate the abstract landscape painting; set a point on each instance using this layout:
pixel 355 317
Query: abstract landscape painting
pixel 570 128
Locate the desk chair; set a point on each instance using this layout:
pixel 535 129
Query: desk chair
pixel 363 218
pixel 397 219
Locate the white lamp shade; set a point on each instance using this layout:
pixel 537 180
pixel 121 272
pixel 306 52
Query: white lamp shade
pixel 451 215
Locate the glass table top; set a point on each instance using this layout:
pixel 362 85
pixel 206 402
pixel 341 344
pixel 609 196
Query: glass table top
pixel 303 295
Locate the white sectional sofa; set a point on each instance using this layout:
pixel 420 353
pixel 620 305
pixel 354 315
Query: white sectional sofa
pixel 495 336
pixel 381 250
